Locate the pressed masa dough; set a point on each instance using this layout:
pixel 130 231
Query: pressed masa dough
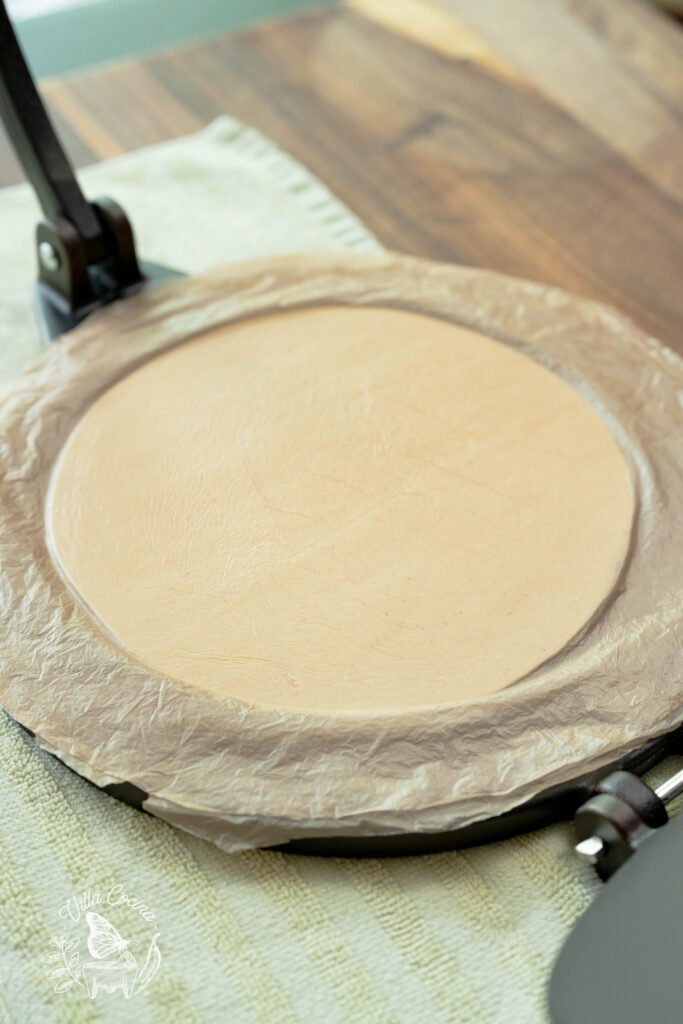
pixel 342 508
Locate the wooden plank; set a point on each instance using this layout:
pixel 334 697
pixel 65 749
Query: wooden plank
pixel 436 147
pixel 641 34
pixel 430 26
pixel 576 68
pixel 63 99
pixel 445 160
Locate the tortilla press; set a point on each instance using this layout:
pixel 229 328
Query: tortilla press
pixel 87 259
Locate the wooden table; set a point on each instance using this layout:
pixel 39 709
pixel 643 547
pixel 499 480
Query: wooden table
pixel 543 138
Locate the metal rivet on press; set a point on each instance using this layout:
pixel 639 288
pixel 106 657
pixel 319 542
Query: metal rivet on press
pixel 49 257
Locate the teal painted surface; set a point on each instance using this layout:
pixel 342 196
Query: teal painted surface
pixel 114 29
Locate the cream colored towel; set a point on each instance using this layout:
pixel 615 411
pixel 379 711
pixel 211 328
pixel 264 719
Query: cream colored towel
pixel 459 937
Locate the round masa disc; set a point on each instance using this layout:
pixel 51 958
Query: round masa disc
pixel 342 508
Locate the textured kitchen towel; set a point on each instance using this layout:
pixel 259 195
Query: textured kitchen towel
pixel 459 937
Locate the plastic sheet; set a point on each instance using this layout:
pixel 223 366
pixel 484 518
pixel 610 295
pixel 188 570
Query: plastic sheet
pixel 245 775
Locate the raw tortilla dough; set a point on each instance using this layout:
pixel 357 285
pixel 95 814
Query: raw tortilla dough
pixel 342 508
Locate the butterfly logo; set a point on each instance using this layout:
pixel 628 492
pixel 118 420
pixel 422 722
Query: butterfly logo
pixel 112 966
pixel 103 938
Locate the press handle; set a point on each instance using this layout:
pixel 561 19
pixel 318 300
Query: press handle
pixel 620 816
pixel 38 148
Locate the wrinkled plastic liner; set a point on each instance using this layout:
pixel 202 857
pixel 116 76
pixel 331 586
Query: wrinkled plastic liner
pixel 246 775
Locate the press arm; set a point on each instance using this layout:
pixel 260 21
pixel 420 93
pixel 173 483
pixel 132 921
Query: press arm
pixel 86 250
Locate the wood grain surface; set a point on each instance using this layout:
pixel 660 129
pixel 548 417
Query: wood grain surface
pixel 543 138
